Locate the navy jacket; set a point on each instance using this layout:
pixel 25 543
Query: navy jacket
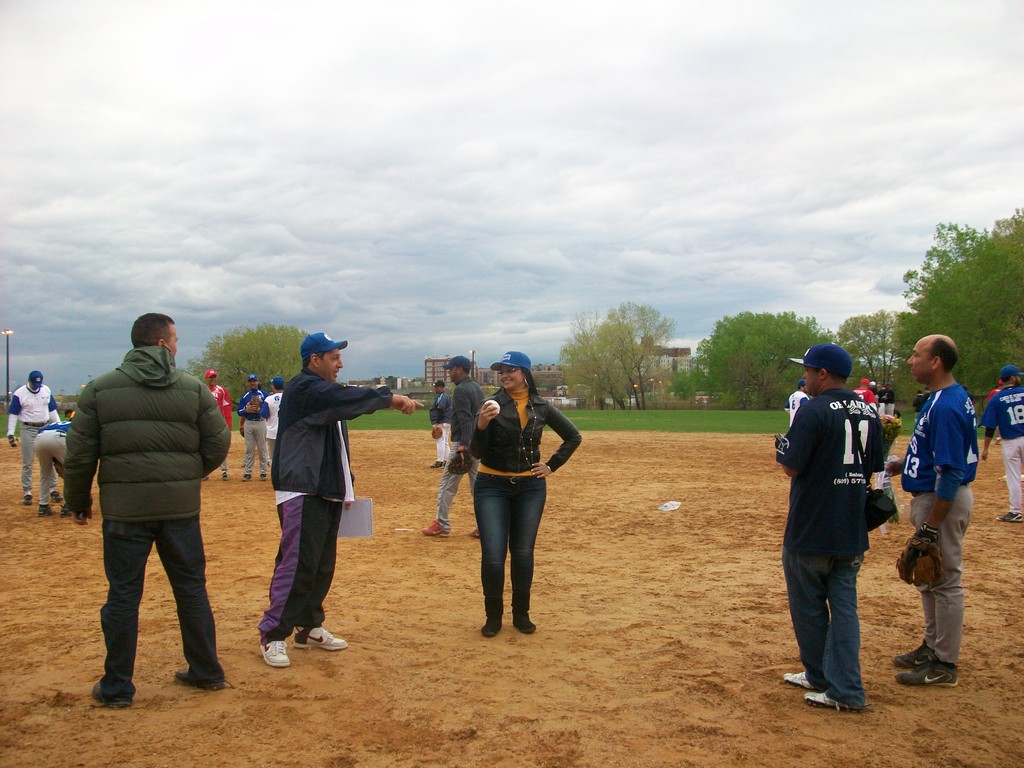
pixel 311 433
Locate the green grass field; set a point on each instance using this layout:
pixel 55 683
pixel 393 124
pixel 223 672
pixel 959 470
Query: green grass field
pixel 724 422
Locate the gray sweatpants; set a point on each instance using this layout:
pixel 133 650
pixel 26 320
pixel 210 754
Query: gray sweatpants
pixel 446 492
pixel 255 441
pixel 943 599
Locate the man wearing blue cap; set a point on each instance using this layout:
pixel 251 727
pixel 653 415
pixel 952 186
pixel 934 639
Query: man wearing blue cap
pixel 1005 412
pixel 33 405
pixel 796 400
pixel 313 484
pixel 254 414
pixel 465 404
pixel 273 403
pixel 829 453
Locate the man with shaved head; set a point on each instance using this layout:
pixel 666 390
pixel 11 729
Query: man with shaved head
pixel 939 467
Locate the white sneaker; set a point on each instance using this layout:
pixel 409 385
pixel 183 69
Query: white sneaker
pixel 822 699
pixel 318 637
pixel 275 653
pixel 799 679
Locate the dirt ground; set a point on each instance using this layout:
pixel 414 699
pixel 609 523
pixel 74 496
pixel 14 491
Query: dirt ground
pixel 662 639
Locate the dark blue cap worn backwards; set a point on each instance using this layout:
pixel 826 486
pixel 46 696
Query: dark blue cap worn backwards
pixel 831 357
pixel 317 344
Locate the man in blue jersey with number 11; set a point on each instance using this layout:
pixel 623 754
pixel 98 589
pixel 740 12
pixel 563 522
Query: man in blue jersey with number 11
pixel 940 465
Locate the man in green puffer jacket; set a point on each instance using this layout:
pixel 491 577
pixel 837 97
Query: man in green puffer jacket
pixel 154 432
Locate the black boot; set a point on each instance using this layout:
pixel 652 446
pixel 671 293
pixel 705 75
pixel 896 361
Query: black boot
pixel 495 607
pixel 521 613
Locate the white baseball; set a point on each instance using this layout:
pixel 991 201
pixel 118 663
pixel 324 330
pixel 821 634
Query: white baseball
pixel 491 407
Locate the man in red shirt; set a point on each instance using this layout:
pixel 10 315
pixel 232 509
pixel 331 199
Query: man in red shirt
pixel 864 393
pixel 220 394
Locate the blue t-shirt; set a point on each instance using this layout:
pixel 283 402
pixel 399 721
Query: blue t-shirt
pixel 1006 411
pixel 826 498
pixel 945 435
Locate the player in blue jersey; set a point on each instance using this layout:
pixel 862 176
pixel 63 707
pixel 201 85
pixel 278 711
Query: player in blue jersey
pixel 1005 412
pixel 50 446
pixel 940 465
pixel 826 531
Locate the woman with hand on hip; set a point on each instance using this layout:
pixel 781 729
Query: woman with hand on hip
pixel 511 488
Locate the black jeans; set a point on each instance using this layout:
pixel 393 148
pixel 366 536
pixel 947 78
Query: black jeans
pixel 508 512
pixel 126 548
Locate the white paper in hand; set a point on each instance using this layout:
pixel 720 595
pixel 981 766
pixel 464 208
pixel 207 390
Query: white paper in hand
pixel 357 520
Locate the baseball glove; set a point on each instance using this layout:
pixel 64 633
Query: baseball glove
pixel 436 432
pixel 460 462
pixel 920 562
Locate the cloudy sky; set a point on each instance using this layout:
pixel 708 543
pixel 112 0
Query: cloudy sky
pixel 429 178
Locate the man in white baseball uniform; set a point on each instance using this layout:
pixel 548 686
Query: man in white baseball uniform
pixel 797 399
pixel 273 403
pixel 33 405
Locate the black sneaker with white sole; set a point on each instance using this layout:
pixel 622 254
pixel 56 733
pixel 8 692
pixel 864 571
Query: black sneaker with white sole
pixel 936 673
pixel 922 655
pixel 1010 517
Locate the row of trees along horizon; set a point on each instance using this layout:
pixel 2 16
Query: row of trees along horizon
pixel 968 287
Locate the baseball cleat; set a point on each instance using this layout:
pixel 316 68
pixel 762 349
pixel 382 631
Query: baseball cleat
pixel 799 679
pixel 824 700
pixel 1009 517
pixel 921 655
pixel 934 673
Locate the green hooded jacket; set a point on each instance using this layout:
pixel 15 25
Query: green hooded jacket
pixel 153 431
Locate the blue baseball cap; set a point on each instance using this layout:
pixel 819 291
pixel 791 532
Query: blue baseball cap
pixel 252 377
pixel 459 361
pixel 513 359
pixel 830 357
pixel 35 377
pixel 317 344
pixel 1004 373
pixel 800 383
pixel 277 381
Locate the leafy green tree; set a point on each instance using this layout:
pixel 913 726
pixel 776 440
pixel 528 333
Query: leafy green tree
pixel 873 344
pixel 969 288
pixel 267 350
pixel 745 358
pixel 617 357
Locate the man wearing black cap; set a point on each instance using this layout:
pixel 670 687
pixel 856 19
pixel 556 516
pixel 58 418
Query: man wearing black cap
pixel 465 405
pixel 313 484
pixel 1005 412
pixel 829 453
pixel 33 405
pixel 273 404
pixel 441 421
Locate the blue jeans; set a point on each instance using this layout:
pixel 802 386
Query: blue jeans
pixel 126 548
pixel 823 605
pixel 508 512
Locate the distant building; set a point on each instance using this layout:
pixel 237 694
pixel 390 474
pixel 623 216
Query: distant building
pixel 675 359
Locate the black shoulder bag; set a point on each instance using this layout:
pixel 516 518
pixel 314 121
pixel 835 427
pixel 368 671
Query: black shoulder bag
pixel 878 507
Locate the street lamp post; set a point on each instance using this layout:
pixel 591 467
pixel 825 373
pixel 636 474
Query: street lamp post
pixel 7 382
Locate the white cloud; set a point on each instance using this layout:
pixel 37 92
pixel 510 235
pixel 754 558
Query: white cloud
pixel 425 179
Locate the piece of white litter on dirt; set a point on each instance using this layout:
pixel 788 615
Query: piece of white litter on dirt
pixel 668 506
pixel 403 529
